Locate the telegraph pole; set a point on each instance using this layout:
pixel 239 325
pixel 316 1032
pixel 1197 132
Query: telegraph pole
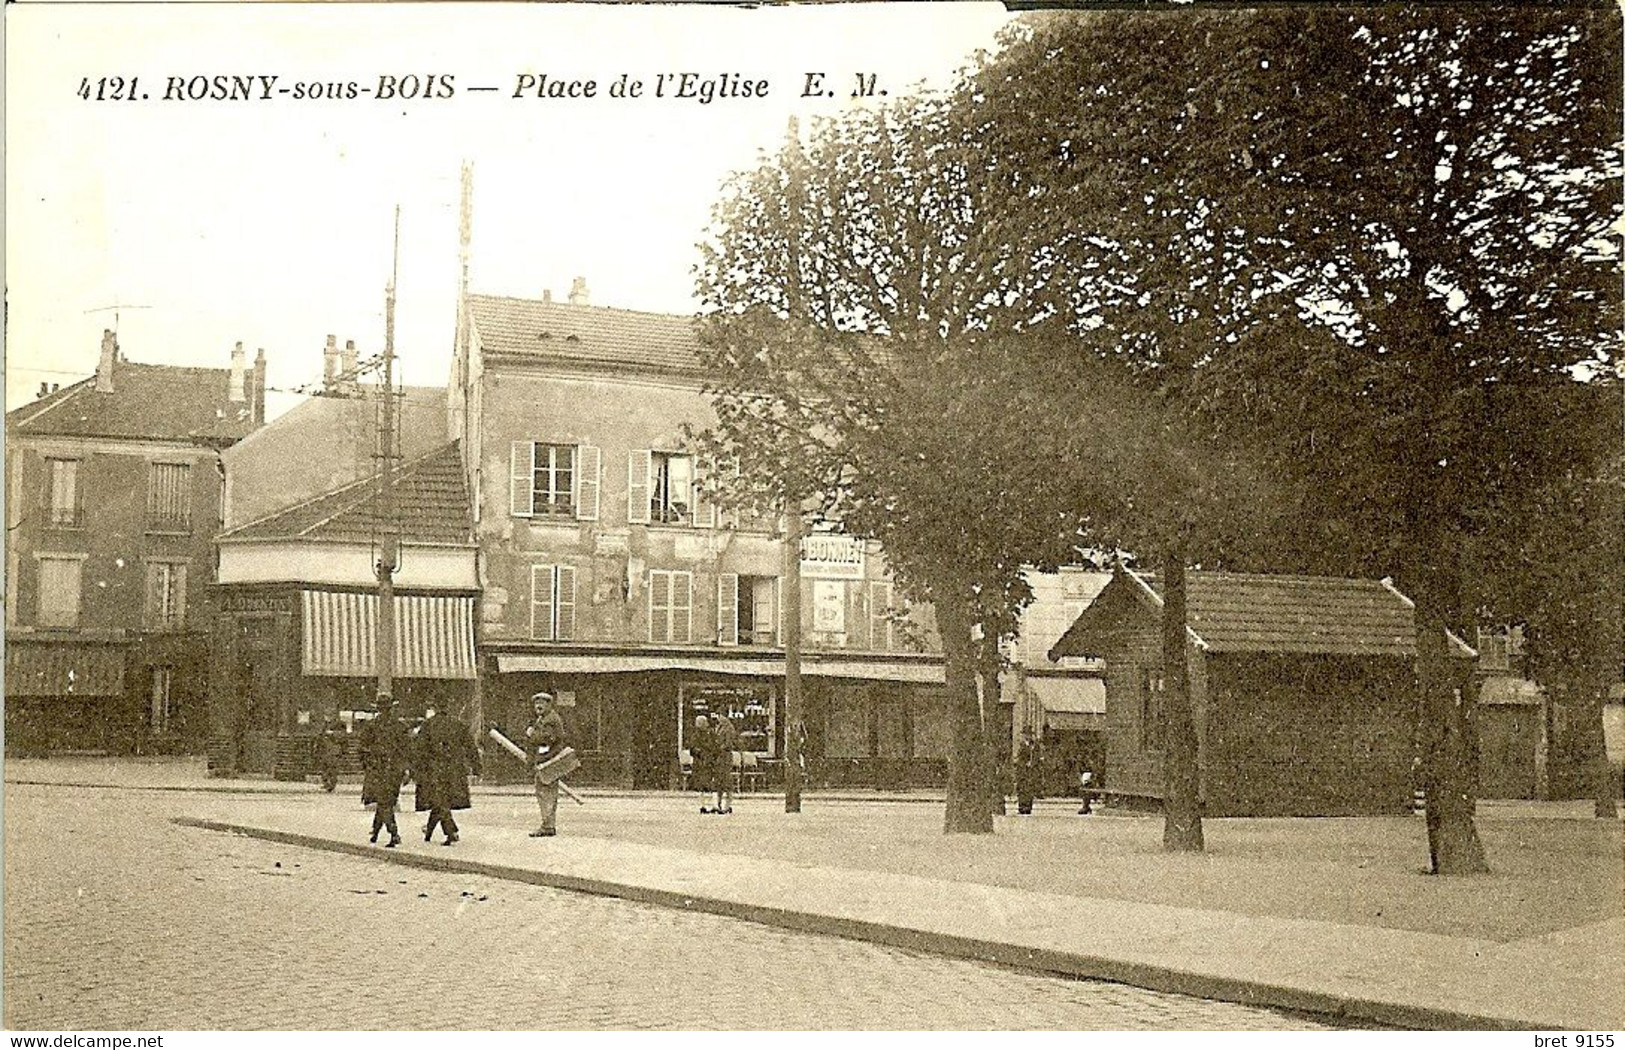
pixel 389 540
pixel 793 726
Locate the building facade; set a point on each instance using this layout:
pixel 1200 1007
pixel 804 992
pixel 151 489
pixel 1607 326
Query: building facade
pixel 113 497
pixel 608 580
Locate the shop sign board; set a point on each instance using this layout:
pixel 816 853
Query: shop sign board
pixel 826 556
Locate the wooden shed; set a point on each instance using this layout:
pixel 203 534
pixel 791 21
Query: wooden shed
pixel 1303 690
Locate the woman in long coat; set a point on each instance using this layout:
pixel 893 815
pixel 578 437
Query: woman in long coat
pixel 444 756
pixel 385 752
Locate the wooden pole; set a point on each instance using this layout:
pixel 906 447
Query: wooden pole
pixel 389 539
pixel 791 626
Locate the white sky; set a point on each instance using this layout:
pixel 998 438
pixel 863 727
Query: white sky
pixel 270 222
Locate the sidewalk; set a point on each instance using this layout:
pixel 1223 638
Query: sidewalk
pixel 1328 916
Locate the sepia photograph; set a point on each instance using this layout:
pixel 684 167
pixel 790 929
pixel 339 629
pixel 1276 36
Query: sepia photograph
pixel 867 517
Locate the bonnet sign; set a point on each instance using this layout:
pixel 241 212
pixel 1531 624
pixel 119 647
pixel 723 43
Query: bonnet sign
pixel 827 557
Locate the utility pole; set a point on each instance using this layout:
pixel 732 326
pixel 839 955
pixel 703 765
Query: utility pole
pixel 470 446
pixel 389 538
pixel 792 657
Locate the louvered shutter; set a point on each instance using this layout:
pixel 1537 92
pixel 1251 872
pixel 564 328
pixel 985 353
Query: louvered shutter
pixel 587 471
pixel 177 579
pixel 522 479
pixel 778 610
pixel 682 607
pixel 880 622
pixel 637 485
pixel 728 609
pixel 541 602
pixel 565 604
pixel 153 614
pixel 705 512
pixel 659 606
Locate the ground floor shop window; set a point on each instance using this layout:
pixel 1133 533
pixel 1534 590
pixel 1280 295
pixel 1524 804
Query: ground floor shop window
pixel 846 732
pixel 933 730
pixel 749 707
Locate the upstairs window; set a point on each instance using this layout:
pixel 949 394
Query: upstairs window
pixel 169 497
pixel 745 609
pixel 671 606
pixel 664 488
pixel 64 493
pixel 553 481
pixel 552 603
pixel 58 590
pixel 166 595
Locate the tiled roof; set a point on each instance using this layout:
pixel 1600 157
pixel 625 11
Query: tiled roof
pixel 1243 612
pixel 431 506
pixel 165 402
pixel 589 335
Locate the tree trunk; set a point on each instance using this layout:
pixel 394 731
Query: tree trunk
pixel 1181 797
pixel 967 808
pixel 1449 772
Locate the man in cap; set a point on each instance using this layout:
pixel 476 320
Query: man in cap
pixel 385 752
pixel 546 737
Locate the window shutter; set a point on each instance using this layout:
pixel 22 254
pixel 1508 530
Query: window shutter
pixel 728 609
pixel 587 470
pixel 522 479
pixel 659 606
pixel 705 512
pixel 637 486
pixel 880 622
pixel 177 579
pixel 778 609
pixel 566 604
pixel 541 602
pixel 762 610
pixel 155 603
pixel 682 606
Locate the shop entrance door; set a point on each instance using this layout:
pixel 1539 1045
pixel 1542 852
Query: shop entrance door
pixel 264 710
pixel 654 743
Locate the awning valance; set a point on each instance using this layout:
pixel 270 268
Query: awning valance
pixel 593 663
pixel 64 669
pixel 434 635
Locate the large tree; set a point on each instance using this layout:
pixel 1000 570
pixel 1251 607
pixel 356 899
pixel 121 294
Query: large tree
pixel 1373 243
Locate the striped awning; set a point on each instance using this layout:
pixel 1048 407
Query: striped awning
pixel 434 635
pixel 64 669
pixel 770 667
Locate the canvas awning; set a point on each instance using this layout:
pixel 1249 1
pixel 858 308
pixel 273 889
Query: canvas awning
pixel 593 663
pixel 434 635
pixel 1070 695
pixel 64 669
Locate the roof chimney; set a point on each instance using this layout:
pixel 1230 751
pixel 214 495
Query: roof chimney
pixel 104 370
pixel 578 292
pixel 547 295
pixel 44 388
pixel 258 400
pixel 234 393
pixel 349 362
pixel 330 363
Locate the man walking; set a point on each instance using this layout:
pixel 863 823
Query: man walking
pixel 444 757
pixel 545 735
pixel 1027 772
pixel 385 749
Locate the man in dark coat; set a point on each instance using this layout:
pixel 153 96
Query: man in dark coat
pixel 546 738
pixel 1027 772
pixel 443 757
pixel 385 751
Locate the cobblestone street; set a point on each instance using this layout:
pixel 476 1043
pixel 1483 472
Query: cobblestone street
pixel 117 919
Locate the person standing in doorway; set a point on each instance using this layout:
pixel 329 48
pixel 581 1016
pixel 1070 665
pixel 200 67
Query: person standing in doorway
pixel 385 752
pixel 1027 772
pixel 546 737
pixel 444 756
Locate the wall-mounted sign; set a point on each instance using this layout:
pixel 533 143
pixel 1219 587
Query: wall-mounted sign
pixel 831 557
pixel 829 606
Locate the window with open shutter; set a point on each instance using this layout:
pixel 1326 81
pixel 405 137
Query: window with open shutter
pixel 637 485
pixel 728 609
pixel 564 603
pixel 64 494
pixel 521 469
pixel 880 617
pixel 541 603
pixel 587 482
pixel 705 512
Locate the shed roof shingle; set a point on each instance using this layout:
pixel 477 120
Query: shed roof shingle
pixel 431 506
pixel 585 335
pixel 1250 612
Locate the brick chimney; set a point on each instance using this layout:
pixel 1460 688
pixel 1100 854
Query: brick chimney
pixel 258 400
pixel 104 370
pixel 330 364
pixel 547 295
pixel 234 392
pixel 349 362
pixel 578 292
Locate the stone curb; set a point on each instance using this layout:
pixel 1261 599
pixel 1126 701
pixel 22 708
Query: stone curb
pixel 1339 1008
